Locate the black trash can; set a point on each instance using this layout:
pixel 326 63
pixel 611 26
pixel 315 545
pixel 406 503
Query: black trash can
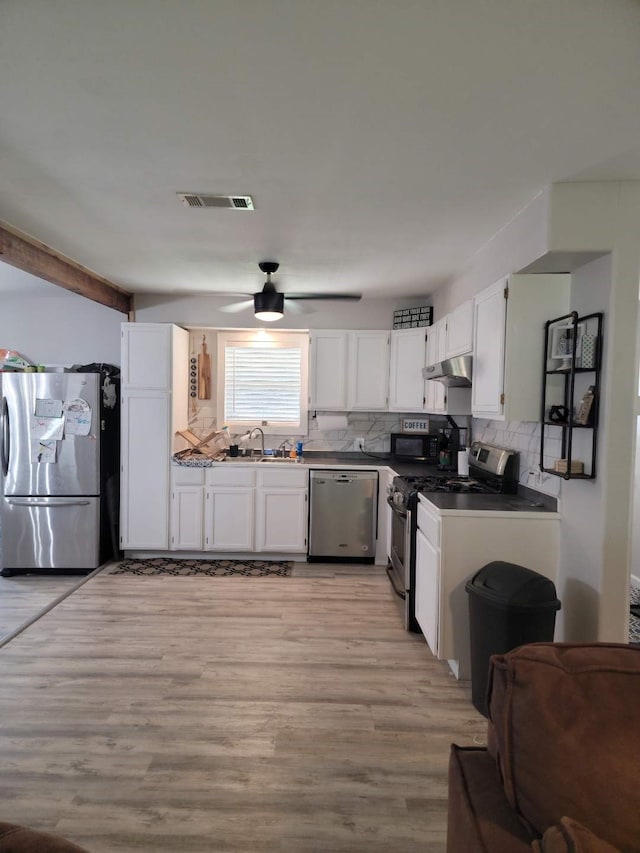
pixel 509 606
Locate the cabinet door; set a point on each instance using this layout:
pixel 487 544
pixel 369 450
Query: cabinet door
pixel 146 355
pixel 488 363
pixel 437 351
pixel 459 338
pixel 430 385
pixel 427 590
pixel 368 375
pixel 406 383
pixel 281 520
pixel 228 521
pixel 186 518
pixel 328 373
pixel 145 464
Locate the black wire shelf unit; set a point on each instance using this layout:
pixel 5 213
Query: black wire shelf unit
pixel 570 393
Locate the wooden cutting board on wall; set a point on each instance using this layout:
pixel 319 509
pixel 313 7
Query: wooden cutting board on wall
pixel 204 372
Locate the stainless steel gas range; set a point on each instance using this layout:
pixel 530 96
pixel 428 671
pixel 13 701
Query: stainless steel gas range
pixel 493 471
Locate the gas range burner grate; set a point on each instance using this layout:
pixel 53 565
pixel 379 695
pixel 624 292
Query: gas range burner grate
pixel 461 485
pixel 442 483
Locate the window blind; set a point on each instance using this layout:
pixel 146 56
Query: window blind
pixel 262 383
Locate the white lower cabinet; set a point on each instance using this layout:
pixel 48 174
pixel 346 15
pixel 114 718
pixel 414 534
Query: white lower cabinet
pixel 281 510
pixel 186 518
pixel 239 509
pixel 229 509
pixel 228 519
pixel 187 508
pixel 144 505
pixel 427 594
pixel 451 546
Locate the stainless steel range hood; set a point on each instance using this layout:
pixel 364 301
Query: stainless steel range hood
pixel 454 372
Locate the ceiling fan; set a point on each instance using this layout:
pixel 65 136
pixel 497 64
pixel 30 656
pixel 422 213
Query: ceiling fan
pixel 268 303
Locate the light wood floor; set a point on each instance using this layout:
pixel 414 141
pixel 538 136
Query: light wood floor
pixel 24 597
pixel 230 715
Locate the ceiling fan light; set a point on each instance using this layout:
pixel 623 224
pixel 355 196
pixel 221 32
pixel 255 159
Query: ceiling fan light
pixel 269 316
pixel 268 305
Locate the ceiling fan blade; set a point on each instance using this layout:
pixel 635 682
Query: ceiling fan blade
pixel 352 297
pixel 299 308
pixel 236 307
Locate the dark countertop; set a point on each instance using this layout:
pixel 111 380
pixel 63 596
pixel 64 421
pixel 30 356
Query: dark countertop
pixel 527 500
pixel 357 460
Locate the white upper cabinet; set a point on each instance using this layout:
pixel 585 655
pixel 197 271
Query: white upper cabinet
pixel 441 399
pixel 459 330
pixel 328 370
pixel 349 370
pixel 488 361
pixel 368 372
pixel 151 355
pixel 509 318
pixel 408 357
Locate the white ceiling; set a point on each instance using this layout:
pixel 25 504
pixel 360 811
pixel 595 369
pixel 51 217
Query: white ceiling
pixel 383 141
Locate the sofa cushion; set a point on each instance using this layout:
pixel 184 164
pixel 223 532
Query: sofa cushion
pixel 565 721
pixel 571 837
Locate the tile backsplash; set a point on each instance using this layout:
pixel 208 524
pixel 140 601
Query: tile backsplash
pixel 375 427
pixel 524 436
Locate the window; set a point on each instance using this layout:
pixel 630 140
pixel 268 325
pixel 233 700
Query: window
pixel 262 381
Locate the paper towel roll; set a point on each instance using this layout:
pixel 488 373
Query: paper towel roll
pixel 329 422
pixel 463 463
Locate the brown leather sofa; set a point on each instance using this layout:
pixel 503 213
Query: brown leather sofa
pixel 561 771
pixel 20 839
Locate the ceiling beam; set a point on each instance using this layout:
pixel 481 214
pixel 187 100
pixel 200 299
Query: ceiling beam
pixel 34 257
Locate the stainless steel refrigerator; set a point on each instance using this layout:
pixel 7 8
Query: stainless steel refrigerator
pixel 59 463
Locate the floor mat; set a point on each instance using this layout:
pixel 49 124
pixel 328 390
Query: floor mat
pixel 169 566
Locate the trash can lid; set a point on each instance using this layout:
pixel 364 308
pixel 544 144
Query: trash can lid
pixel 508 584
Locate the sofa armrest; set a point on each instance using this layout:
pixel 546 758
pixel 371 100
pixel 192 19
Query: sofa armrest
pixel 480 819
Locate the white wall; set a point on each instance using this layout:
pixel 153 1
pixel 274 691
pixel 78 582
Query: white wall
pixel 563 230
pixel 60 327
pixel 203 310
pixel 581 578
pixel 515 246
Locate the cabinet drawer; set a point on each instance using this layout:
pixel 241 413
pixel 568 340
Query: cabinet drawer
pixel 288 478
pixel 229 476
pixel 184 476
pixel 429 524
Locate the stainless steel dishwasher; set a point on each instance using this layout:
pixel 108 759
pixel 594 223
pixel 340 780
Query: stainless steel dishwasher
pixel 343 516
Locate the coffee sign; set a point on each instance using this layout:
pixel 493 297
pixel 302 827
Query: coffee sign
pixel 414 425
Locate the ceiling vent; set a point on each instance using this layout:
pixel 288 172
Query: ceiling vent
pixel 236 202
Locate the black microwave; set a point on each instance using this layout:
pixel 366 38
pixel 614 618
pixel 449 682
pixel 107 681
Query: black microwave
pixel 415 447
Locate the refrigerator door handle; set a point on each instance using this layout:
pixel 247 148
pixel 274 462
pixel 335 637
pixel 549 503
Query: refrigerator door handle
pixel 48 502
pixel 4 437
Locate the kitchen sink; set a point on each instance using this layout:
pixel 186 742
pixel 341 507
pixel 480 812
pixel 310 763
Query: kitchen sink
pixel 273 460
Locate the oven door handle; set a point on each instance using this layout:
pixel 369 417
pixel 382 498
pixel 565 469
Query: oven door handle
pixel 397 509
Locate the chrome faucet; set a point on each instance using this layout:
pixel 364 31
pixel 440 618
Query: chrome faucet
pixel 251 435
pixel 282 448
